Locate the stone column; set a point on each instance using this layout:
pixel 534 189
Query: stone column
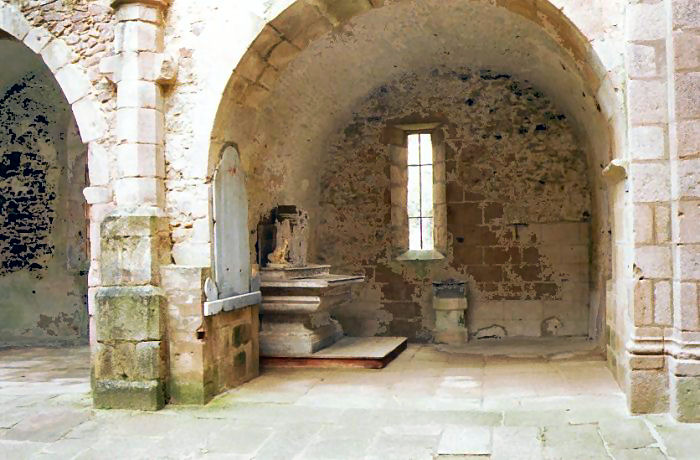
pixel 647 211
pixel 683 343
pixel 130 365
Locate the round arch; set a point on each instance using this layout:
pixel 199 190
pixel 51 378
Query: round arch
pixel 58 57
pixel 301 22
pixel 44 211
pixel 376 41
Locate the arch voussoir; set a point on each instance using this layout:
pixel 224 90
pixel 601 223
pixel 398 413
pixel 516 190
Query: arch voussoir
pixel 58 57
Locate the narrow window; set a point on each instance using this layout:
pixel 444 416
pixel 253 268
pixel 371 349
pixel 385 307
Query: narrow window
pixel 420 192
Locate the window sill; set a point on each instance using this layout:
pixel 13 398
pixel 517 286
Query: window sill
pixel 417 254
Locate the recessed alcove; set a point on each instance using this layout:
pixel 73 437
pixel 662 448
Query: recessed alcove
pixel 43 219
pixel 524 140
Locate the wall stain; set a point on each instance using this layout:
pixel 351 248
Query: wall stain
pixel 27 211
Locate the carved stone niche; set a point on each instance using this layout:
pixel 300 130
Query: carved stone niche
pixel 283 238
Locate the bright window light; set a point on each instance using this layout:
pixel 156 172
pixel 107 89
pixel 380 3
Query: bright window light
pixel 420 192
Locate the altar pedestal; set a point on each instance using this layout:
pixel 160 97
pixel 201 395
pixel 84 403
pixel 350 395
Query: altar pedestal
pixel 296 303
pixel 297 329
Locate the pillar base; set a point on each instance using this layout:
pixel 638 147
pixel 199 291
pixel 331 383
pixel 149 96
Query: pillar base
pixel 685 388
pixel 124 394
pixel 685 398
pixel 647 391
pixel 290 339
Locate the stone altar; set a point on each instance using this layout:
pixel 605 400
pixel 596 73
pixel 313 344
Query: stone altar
pixel 296 327
pixel 295 315
pixel 297 296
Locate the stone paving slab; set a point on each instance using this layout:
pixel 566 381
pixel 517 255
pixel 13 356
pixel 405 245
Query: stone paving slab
pixel 461 440
pixel 423 406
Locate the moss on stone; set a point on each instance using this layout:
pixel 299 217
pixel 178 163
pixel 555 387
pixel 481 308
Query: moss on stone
pixel 189 393
pixel 124 394
pixel 686 399
pixel 129 313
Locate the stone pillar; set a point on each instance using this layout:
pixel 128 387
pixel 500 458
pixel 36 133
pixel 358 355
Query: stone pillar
pixel 130 365
pixel 647 210
pixel 683 342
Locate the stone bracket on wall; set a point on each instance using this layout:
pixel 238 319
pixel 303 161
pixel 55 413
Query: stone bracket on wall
pixel 615 171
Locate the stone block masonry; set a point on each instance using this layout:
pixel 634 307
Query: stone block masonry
pixel 206 355
pixel 131 307
pixel 232 351
pixel 131 358
pixel 301 88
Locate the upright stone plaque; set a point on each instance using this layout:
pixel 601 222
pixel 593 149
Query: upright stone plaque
pixel 232 253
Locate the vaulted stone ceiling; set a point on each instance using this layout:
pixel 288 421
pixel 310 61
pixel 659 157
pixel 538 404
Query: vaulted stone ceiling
pixel 282 137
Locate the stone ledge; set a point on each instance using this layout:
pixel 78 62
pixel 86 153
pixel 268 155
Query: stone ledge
pixel 232 303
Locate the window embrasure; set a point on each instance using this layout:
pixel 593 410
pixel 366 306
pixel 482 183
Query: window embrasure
pixel 420 192
pixel 418 208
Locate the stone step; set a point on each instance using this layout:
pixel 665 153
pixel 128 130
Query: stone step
pixel 363 352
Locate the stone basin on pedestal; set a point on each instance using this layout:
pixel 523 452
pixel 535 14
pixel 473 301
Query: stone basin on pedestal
pixel 296 304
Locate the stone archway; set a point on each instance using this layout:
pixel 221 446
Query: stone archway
pixel 58 57
pixel 536 43
pixel 288 90
pixel 85 131
pixel 43 216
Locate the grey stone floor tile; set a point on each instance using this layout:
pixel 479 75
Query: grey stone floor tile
pixel 516 442
pixel 425 400
pixel 682 441
pixel 461 440
pixel 11 450
pixel 11 416
pixel 535 418
pixel 238 437
pixel 573 442
pixel 132 447
pixel 291 414
pixel 287 441
pixel 64 449
pixel 625 434
pixel 434 403
pixel 342 447
pixel 646 453
pixel 403 447
pixel 46 425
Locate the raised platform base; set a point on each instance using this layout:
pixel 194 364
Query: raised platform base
pixel 362 352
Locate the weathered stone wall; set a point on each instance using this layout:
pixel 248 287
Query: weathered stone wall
pixel 72 38
pixel 43 237
pixel 206 355
pixel 518 208
pixel 232 349
pixel 327 45
pixel 279 97
pixel 86 26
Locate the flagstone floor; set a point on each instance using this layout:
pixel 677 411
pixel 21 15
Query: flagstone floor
pixel 427 404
